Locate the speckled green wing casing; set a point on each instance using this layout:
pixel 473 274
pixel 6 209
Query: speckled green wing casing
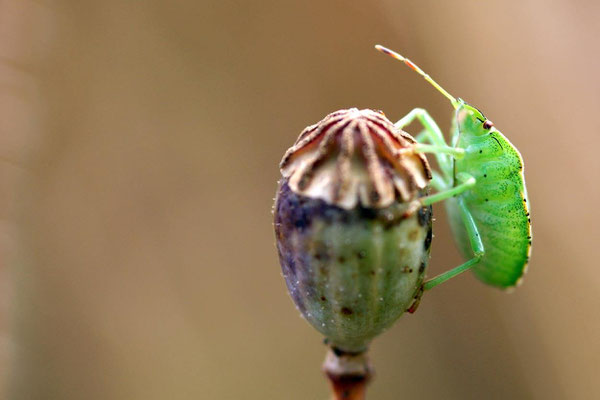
pixel 352 256
pixel 498 202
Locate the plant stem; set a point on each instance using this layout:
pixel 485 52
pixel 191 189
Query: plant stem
pixel 348 373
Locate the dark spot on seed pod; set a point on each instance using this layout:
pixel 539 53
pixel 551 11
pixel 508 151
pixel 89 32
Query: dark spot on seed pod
pixel 480 151
pixel 422 268
pixel 424 216
pixel 301 222
pixel 486 200
pixel 341 259
pixel 346 311
pixel 428 238
pixel 321 252
pixel 372 272
pixel 367 213
pixel 374 196
pixel 485 175
pixel 361 254
pixel 323 298
pixel 324 269
pixel 407 270
pixel 413 235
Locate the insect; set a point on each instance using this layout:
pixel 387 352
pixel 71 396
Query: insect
pixel 481 178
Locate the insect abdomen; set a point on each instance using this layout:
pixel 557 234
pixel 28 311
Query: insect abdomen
pixel 498 205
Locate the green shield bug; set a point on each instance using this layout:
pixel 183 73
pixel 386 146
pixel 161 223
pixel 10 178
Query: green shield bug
pixel 483 182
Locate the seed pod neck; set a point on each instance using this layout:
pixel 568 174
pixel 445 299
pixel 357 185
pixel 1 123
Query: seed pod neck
pixel 348 373
pixel 355 157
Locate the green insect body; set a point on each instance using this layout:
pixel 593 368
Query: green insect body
pixel 483 184
pixel 497 201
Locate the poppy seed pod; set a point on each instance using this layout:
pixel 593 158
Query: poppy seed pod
pixel 353 240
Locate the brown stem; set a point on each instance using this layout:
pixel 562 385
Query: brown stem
pixel 348 373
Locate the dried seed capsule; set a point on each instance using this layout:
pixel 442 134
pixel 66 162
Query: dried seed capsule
pixel 352 247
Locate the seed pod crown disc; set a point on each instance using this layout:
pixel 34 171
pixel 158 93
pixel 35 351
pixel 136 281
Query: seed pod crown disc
pixel 352 249
pixel 355 156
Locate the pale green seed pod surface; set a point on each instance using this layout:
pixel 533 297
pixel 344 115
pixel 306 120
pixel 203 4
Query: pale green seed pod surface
pixel 352 245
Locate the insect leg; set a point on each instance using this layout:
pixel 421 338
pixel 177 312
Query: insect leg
pixel 422 137
pixel 466 182
pixel 441 278
pixel 432 132
pixel 476 246
pixel 456 152
pixel 432 129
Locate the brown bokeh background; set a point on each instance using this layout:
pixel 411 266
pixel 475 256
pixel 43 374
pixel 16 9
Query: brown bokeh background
pixel 139 145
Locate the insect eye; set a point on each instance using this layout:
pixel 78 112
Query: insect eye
pixel 487 124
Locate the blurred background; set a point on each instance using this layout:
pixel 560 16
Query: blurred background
pixel 139 151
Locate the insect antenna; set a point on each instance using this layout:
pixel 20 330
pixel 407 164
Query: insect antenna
pixel 419 71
